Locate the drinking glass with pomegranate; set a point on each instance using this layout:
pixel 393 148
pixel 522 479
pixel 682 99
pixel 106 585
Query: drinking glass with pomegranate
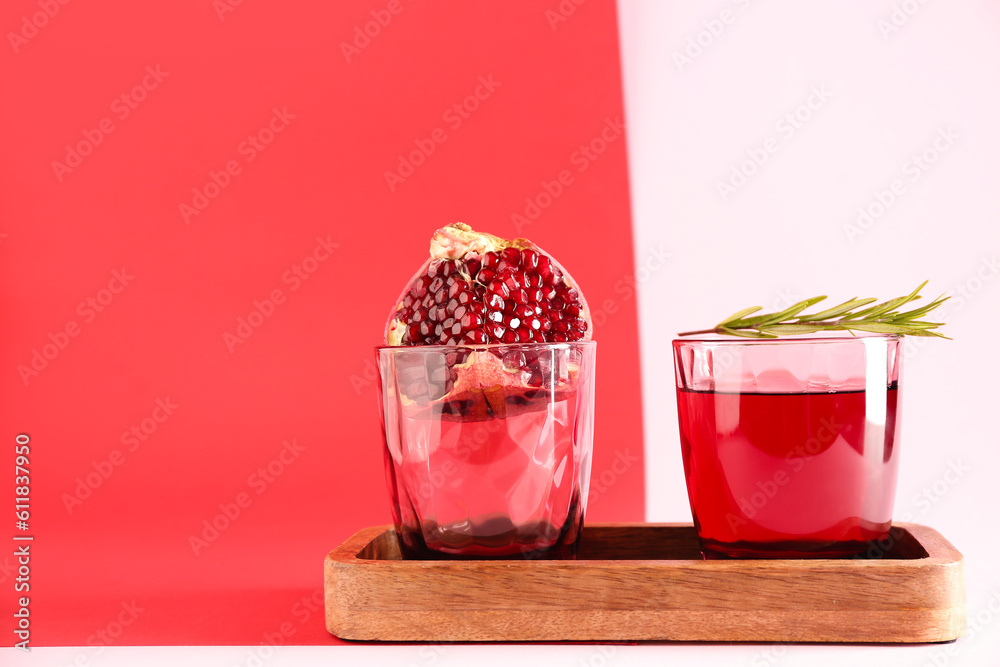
pixel 487 394
pixel 791 445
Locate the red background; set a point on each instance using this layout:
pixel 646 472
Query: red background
pixel 304 373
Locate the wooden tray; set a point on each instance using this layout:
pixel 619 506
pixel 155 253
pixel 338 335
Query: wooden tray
pixel 647 582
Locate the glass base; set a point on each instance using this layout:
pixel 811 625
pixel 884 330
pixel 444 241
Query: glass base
pixel 495 538
pixel 712 550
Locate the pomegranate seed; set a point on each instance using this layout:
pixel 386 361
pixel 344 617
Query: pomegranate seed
pixel 535 324
pixel 512 255
pixel 557 304
pixel 460 312
pixel 495 329
pixel 486 275
pixel 513 322
pixel 523 311
pixel 504 265
pixel 529 258
pixel 476 307
pixel 456 329
pixel 449 308
pixel 441 295
pixel 472 265
pixel 509 337
pixel 533 280
pixel 495 316
pixel 476 337
pixel 548 291
pixel 498 287
pixel 559 338
pixel 413 331
pixel 435 285
pixel 456 288
pixel 578 324
pixel 471 321
pixel 519 296
pixel 534 295
pixel 573 310
pixel 465 298
pixel 546 326
pixel 512 361
pixel 490 260
pixel 509 306
pixel 523 335
pixel 495 301
pixel 419 287
pixel 562 326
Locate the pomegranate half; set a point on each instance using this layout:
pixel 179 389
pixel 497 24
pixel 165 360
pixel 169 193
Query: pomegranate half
pixel 491 299
pixel 477 289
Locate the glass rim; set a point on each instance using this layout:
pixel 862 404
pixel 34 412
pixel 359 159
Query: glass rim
pixel 486 346
pixel 791 340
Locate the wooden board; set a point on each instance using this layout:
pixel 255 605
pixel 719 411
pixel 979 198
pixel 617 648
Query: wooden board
pixel 647 582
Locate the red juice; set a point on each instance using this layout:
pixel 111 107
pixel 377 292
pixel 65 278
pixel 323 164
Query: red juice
pixel 789 474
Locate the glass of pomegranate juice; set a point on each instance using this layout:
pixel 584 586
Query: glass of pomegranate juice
pixel 789 445
pixel 488 447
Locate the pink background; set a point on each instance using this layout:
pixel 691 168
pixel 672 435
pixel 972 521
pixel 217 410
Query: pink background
pixel 781 236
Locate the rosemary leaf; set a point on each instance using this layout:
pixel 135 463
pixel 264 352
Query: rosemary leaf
pixel 879 327
pixel 791 311
pixel 791 329
pixel 852 315
pixel 836 310
pixel 737 316
pixel 887 306
pixel 745 333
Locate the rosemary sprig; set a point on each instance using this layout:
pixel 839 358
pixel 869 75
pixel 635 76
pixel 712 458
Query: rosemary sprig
pixel 852 315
